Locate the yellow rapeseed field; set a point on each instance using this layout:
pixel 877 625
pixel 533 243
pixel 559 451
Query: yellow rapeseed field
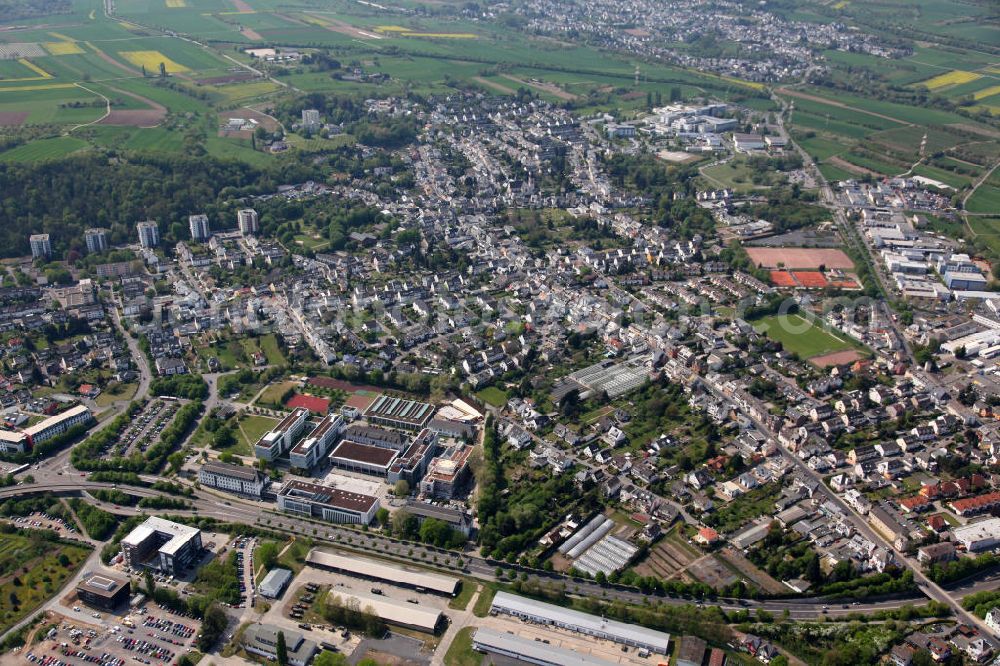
pixel 62 48
pixel 35 68
pixel 952 78
pixel 986 92
pixel 151 61
pixel 174 4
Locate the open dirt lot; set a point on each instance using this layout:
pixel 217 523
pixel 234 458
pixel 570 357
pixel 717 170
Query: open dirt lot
pixel 12 118
pixel 836 358
pixel 799 257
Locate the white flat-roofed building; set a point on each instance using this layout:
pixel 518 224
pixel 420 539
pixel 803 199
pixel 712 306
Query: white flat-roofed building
pixel 233 478
pixel 387 572
pixel 632 635
pixel 337 506
pixel 531 651
pixel 307 453
pixel 274 583
pixel 978 536
pixel 162 544
pixel 274 443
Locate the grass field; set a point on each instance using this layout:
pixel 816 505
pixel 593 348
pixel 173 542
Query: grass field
pixel 45 149
pixel 986 199
pixel 491 395
pixel 800 336
pixel 33 570
pixel 252 428
pixel 461 652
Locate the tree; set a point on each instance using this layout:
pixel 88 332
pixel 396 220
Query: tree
pixel 402 488
pixel 404 523
pixel 267 554
pixel 382 516
pixel 150 584
pixel 212 627
pixel 281 650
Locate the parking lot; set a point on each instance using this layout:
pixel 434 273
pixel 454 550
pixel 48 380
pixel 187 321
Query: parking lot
pixel 42 521
pixel 144 429
pixel 149 636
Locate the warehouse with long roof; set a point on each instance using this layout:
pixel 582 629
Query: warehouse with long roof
pixel 394 574
pixel 622 633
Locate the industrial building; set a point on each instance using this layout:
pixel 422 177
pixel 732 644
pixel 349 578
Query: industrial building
pixel 163 545
pixel 307 453
pixel 392 611
pixel 274 583
pixel 399 413
pixel 103 592
pixel 262 640
pixel 978 536
pixel 533 652
pixel 248 481
pixel 631 635
pixel 274 443
pixel 394 574
pixel 337 506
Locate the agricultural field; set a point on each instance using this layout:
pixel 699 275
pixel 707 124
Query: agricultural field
pixel 800 336
pixel 34 569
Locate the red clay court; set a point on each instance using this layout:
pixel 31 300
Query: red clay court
pixel 799 257
pixel 783 279
pixel 310 402
pixel 810 279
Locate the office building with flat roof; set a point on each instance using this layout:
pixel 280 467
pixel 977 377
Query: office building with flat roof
pixel 103 591
pixel 163 545
pixel 399 413
pixel 308 452
pixel 237 479
pixel 310 500
pixel 978 536
pixel 274 443
pixel 411 465
pixel 447 474
pixel 363 458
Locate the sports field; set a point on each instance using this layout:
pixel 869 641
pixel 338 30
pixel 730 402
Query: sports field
pixel 800 336
pixel 799 257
